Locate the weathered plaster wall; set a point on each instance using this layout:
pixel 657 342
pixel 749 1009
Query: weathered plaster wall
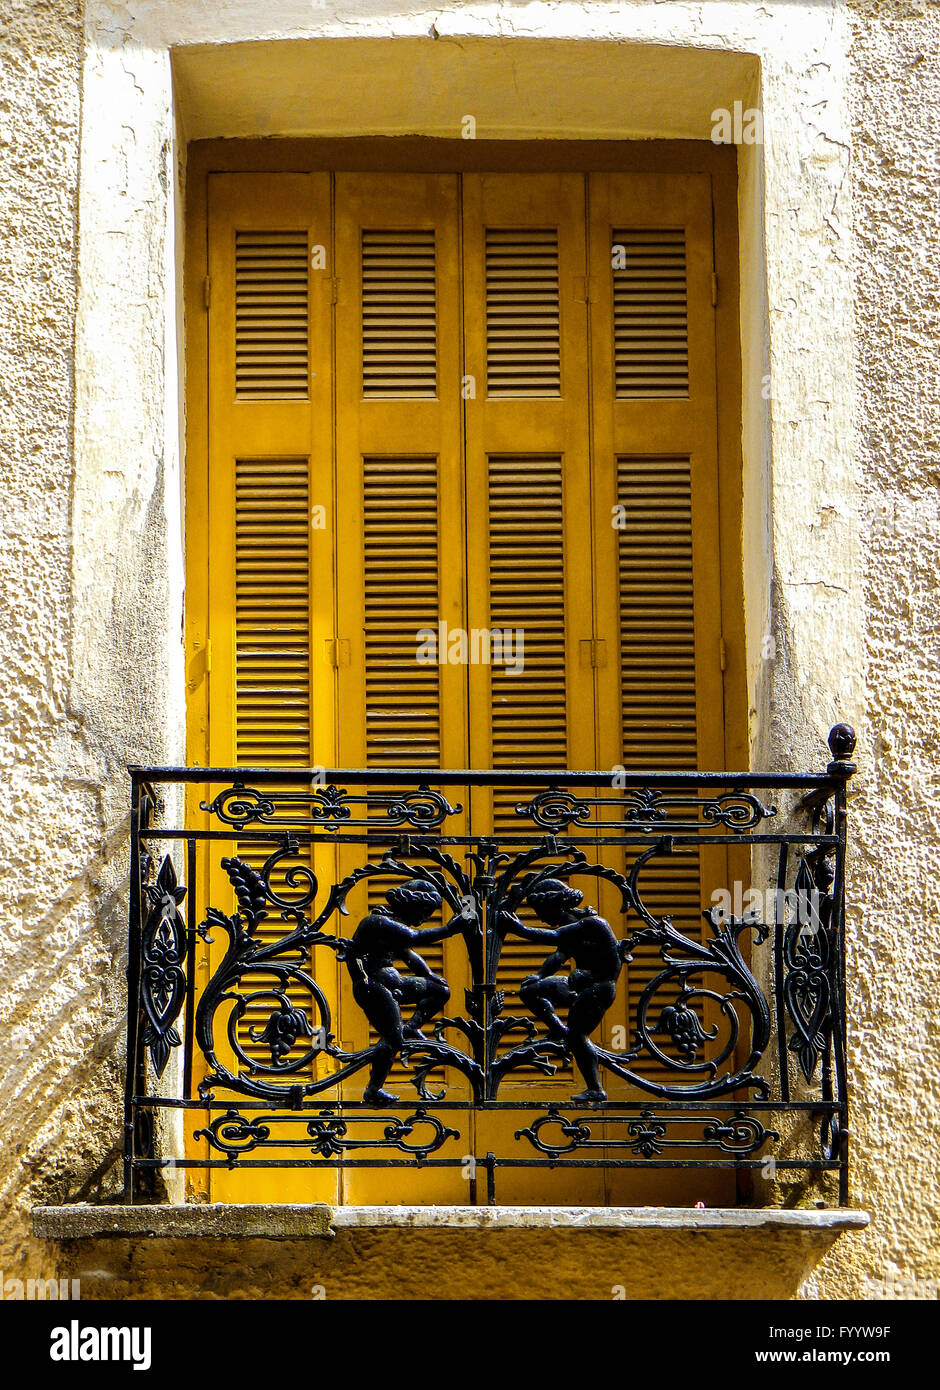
pixel 92 578
pixel 91 631
pixel 59 959
pixel 894 925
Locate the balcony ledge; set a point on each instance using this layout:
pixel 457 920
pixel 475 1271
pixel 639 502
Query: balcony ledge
pixel 294 1222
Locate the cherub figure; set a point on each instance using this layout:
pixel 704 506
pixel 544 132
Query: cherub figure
pixel 391 933
pixel 587 992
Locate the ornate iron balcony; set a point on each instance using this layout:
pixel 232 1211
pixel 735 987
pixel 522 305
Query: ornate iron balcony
pixel 732 1049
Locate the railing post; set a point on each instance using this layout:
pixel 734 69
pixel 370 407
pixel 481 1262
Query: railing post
pixel 133 989
pixel 840 769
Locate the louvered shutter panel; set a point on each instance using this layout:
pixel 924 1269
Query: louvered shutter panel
pixel 400 517
pixel 656 498
pixel 651 348
pixel 657 619
pixel 399 313
pixel 271 312
pixel 272 612
pixel 528 467
pixel 523 337
pixel 400 531
pixel 269 464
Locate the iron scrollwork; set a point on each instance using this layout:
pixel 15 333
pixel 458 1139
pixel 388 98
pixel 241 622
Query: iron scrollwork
pixel 648 1134
pixel 328 1134
pixel 564 1006
pixel 163 952
pixel 808 986
pixel 698 1026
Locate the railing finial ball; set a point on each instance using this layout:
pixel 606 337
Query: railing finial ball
pixel 842 742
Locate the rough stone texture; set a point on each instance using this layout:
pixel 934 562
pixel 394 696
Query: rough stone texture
pixel 219 1219
pixel 285 1221
pixel 432 1264
pixel 91 673
pixel 60 951
pixel 894 923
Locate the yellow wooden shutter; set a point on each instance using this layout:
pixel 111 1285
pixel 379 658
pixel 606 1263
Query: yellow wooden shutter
pixel 401 523
pixel 522 436
pixel 270 597
pixel 656 508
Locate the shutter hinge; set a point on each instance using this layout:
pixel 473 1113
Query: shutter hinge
pixel 593 651
pixel 334 289
pixel 337 649
pixel 722 653
pixel 714 289
pixel 207 290
pixel 200 669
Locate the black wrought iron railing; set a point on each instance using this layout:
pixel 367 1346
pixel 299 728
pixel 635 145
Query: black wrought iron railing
pixel 292 1003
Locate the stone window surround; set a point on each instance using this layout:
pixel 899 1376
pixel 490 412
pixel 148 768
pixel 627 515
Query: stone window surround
pixel 150 89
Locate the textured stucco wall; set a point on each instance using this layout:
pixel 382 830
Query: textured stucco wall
pixel 90 572
pixel 894 925
pixel 59 970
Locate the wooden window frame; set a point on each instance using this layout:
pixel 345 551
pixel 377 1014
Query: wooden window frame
pixel 427 155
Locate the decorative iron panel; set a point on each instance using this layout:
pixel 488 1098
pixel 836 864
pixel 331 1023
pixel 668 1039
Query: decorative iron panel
pixel 745 1023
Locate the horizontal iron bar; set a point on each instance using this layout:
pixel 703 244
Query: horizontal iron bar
pixel 578 839
pixel 476 777
pixel 482 1162
pixel 608 1107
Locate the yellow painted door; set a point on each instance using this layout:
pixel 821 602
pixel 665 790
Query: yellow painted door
pixel 659 693
pixel 267 548
pixel 529 546
pixel 492 398
pixel 399 557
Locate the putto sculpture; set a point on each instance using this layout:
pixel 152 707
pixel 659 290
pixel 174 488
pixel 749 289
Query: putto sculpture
pixel 580 935
pixel 390 933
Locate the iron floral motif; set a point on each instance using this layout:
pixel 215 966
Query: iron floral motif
pixel 163 950
pixel 807 986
